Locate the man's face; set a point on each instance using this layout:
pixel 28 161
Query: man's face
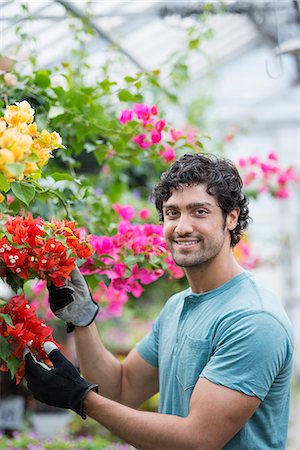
pixel 194 226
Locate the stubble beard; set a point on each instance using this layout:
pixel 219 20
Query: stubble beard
pixel 201 258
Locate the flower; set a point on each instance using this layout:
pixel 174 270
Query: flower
pixel 20 328
pixel 126 116
pixel 33 248
pixel 168 154
pixel 266 176
pixel 24 150
pixel 155 134
pixel 136 255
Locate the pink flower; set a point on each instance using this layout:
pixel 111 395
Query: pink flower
pixel 38 286
pixel 154 110
pixel 254 160
pixel 126 116
pixel 176 135
pixel 125 212
pixel 242 162
pixel 168 154
pixel 140 141
pixel 144 214
pixel 9 199
pixel 142 111
pixel 282 193
pixel 272 156
pixel 160 125
pixel 229 137
pixel 155 137
pixel 102 244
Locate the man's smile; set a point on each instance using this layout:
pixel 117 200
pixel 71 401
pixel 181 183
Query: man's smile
pixel 186 242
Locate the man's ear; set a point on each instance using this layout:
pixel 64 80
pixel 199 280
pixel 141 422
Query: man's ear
pixel 232 218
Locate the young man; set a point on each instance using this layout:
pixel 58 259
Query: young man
pixel 220 353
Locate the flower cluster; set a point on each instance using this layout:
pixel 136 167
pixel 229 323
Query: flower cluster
pixel 33 248
pixel 136 255
pixel 20 328
pixel 156 133
pixel 266 176
pixel 23 149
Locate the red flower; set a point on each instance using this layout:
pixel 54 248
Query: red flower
pixel 27 331
pixel 25 230
pixel 33 248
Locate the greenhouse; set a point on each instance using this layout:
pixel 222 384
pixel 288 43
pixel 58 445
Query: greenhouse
pixel 150 216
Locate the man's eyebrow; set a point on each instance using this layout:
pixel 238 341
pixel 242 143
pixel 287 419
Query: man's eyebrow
pixel 190 205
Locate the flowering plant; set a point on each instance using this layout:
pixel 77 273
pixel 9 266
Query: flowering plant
pixel 34 248
pixel 20 328
pixel 156 134
pixel 23 149
pixel 266 176
pixel 134 256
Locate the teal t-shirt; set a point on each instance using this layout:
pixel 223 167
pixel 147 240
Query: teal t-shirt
pixel 238 336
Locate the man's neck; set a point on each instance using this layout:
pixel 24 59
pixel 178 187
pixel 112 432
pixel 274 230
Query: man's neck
pixel 212 274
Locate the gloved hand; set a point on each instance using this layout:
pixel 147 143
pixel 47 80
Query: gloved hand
pixel 62 386
pixel 73 302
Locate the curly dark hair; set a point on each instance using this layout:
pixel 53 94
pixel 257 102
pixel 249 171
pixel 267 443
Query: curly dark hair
pixel 221 178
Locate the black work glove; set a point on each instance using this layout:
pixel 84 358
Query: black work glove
pixel 73 302
pixel 62 386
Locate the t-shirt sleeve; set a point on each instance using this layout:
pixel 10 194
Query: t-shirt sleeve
pixel 148 347
pixel 248 354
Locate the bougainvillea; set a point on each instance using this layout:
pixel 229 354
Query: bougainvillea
pixel 262 176
pixel 155 133
pixel 136 255
pixel 23 149
pixel 33 248
pixel 20 328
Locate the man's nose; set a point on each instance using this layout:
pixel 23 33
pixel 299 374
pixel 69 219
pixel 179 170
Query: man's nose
pixel 183 226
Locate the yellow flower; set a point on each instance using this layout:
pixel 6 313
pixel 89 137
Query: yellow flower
pixel 18 143
pixel 2 125
pixel 20 112
pixel 32 129
pixel 45 137
pixel 55 138
pixel 2 198
pixel 43 155
pixel 6 156
pixel 31 167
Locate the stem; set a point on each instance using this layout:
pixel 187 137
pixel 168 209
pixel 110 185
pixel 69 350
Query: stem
pixel 63 201
pixel 56 194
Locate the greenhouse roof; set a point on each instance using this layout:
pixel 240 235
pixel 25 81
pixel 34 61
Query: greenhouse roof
pixel 146 32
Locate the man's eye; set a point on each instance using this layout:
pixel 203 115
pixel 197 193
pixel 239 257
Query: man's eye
pixel 201 212
pixel 171 213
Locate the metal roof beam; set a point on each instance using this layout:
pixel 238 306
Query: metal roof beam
pixel 100 32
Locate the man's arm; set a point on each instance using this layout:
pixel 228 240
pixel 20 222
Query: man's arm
pixel 216 414
pixel 130 382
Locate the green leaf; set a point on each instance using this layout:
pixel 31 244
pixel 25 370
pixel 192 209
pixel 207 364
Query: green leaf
pixel 7 319
pixel 4 184
pixel 2 302
pixel 23 191
pixel 42 78
pixel 194 44
pixel 126 96
pixel 16 168
pixel 58 176
pixel 55 111
pixel 5 350
pixel 13 364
